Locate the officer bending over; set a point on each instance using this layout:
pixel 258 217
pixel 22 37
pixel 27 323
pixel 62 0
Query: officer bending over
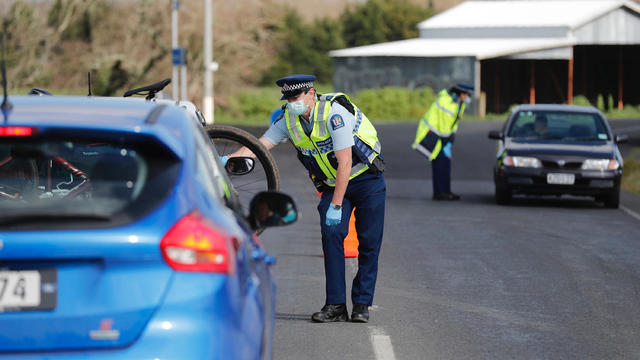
pixel 436 133
pixel 339 147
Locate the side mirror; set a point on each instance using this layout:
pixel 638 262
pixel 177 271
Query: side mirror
pixel 622 138
pixel 272 208
pixel 239 165
pixel 496 135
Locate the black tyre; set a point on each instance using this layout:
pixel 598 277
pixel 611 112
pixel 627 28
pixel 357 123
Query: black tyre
pixel 612 200
pixel 502 195
pixel 264 175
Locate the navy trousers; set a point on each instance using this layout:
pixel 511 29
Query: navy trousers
pixel 441 171
pixel 367 194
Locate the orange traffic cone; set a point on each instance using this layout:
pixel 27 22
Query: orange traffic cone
pixel 351 241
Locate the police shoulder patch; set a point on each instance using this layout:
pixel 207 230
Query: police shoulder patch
pixel 337 122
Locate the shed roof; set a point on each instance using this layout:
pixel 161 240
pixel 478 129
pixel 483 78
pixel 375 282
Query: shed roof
pixel 532 13
pixel 480 48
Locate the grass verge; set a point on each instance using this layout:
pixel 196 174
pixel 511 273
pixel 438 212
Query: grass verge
pixel 631 172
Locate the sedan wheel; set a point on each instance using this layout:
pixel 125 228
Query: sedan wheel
pixel 612 200
pixel 503 195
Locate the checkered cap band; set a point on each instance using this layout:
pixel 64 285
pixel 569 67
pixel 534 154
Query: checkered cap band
pixel 298 86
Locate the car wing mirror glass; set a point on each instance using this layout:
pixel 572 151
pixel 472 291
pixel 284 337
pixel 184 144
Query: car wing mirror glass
pixel 496 135
pixel 622 138
pixel 272 208
pixel 239 165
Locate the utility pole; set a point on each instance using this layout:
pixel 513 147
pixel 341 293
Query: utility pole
pixel 178 57
pixel 209 65
pixel 175 4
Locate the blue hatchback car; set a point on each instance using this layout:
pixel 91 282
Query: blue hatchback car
pixel 120 237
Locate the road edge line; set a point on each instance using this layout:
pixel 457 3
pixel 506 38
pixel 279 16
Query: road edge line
pixel 630 212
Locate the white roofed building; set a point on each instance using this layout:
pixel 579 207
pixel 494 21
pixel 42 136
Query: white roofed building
pixel 513 51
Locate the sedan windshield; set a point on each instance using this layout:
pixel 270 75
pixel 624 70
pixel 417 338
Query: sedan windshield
pixel 558 125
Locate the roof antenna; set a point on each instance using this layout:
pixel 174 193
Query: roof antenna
pixel 89 80
pixel 6 105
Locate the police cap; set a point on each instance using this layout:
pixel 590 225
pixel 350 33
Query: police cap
pixel 294 85
pixel 463 88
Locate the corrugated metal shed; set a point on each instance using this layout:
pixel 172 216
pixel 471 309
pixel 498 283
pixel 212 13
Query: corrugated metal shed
pixel 511 37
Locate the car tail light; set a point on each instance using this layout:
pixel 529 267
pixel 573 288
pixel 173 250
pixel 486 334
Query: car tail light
pixel 16 131
pixel 195 244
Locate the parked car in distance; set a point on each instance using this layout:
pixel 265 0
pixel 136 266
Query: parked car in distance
pixel 121 236
pixel 555 150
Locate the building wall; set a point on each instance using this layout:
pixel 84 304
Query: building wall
pixel 352 74
pixel 618 27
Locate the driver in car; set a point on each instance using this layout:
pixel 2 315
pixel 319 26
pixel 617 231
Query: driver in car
pixel 540 125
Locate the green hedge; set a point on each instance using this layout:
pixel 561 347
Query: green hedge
pixel 389 104
pixel 253 106
pixel 394 104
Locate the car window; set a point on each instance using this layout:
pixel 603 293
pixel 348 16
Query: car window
pixel 558 125
pixel 62 177
pixel 209 171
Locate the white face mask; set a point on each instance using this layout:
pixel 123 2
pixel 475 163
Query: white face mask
pixel 297 107
pixel 467 100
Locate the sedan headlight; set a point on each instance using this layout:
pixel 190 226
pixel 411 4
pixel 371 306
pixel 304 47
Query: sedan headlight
pixel 600 164
pixel 522 161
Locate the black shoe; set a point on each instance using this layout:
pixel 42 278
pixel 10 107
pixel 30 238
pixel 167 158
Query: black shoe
pixel 446 196
pixel 360 313
pixel 453 196
pixel 331 313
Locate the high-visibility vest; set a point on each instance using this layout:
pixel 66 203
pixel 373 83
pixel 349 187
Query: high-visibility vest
pixel 316 150
pixel 437 125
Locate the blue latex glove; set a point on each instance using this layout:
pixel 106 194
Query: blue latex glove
pixel 224 159
pixel 447 150
pixel 334 216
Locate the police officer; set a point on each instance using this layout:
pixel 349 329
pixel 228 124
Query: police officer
pixel 339 147
pixel 435 135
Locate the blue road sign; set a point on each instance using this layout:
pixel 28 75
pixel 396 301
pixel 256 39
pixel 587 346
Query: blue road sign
pixel 179 56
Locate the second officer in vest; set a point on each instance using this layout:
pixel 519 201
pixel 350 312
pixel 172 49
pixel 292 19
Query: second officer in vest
pixel 339 147
pixel 435 135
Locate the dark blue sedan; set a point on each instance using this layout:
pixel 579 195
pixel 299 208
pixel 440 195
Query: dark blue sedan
pixel 555 150
pixel 120 237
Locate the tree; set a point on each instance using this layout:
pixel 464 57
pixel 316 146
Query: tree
pixel 303 48
pixel 379 21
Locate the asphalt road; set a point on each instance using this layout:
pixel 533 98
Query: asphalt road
pixel 540 279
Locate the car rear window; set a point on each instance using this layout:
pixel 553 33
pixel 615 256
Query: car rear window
pixel 51 182
pixel 558 125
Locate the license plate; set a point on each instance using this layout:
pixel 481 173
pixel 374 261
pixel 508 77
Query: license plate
pixel 22 290
pixel 561 179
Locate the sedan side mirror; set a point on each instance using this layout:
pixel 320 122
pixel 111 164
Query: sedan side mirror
pixel 496 135
pixel 272 208
pixel 622 138
pixel 239 165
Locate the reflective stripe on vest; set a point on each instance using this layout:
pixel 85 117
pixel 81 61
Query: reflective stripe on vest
pixel 291 122
pixel 355 170
pixel 441 134
pixel 444 108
